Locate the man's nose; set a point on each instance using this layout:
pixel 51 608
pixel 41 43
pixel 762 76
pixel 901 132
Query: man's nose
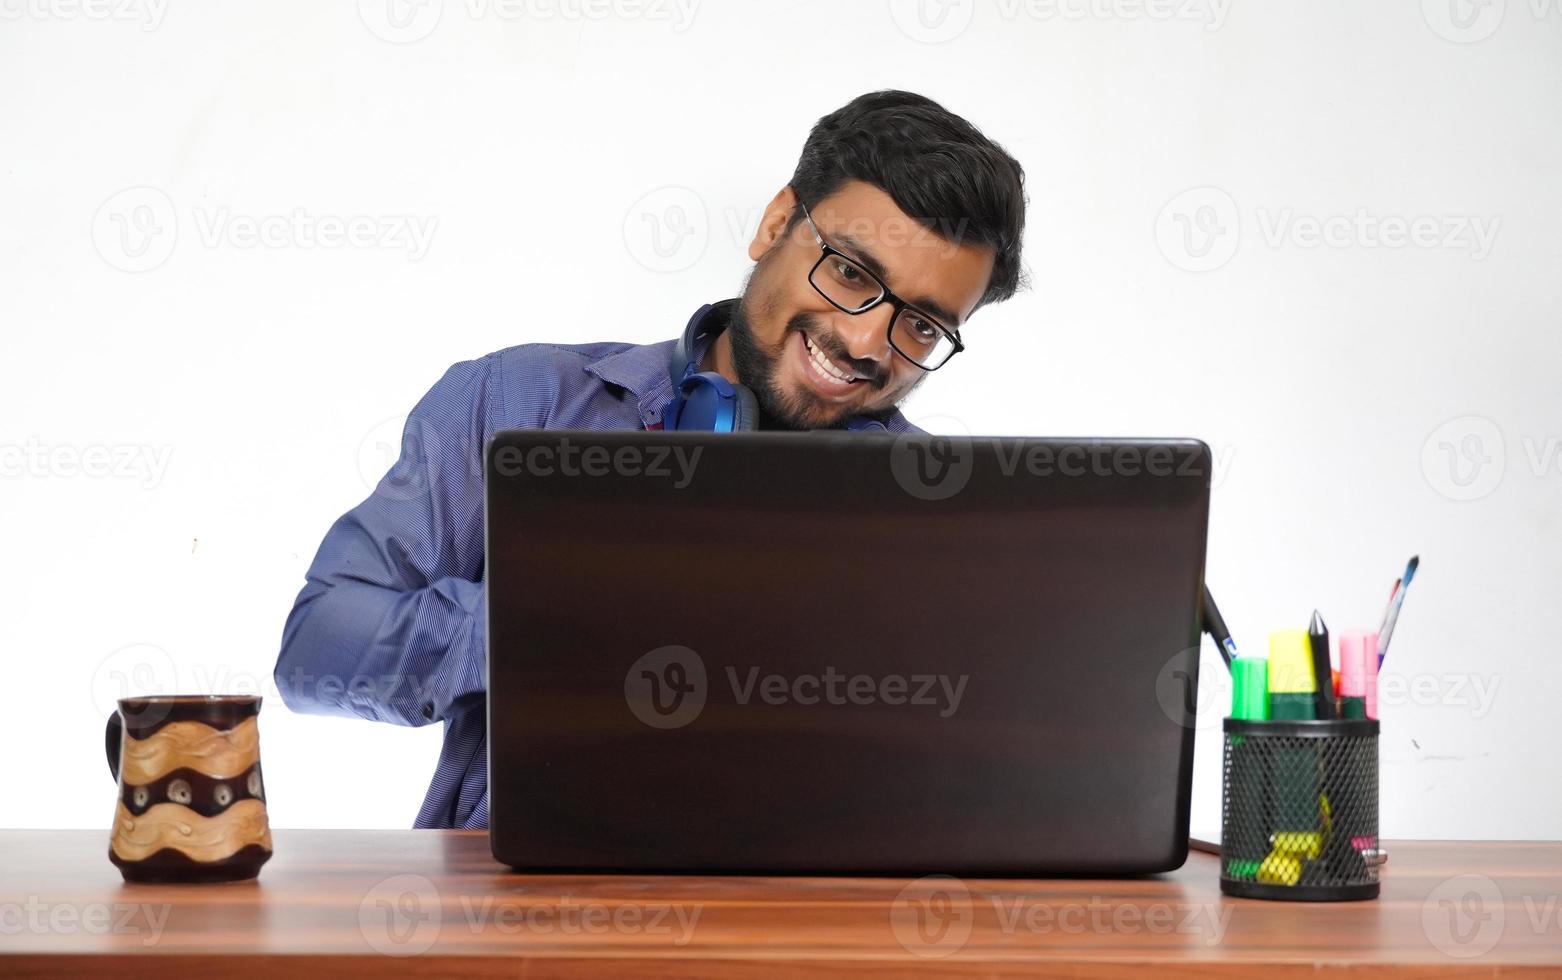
pixel 866 335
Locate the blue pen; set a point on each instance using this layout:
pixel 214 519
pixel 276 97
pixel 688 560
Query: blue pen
pixel 1394 606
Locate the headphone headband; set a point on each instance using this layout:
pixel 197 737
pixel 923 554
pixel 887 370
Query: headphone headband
pixel 705 400
pixel 711 319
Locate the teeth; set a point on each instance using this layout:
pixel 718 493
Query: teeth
pixel 824 363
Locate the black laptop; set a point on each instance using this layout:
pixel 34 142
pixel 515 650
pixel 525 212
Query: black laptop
pixel 842 653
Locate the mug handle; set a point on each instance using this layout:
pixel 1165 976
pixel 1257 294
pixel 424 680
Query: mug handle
pixel 113 735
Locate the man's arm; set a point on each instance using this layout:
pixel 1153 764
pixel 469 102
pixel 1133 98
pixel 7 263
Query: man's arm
pixel 391 624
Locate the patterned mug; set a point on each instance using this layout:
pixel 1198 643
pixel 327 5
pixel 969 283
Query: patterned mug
pixel 191 804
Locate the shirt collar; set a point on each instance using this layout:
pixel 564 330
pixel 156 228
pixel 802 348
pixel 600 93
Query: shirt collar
pixel 646 371
pixel 643 372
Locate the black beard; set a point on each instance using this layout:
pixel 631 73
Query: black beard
pixel 755 368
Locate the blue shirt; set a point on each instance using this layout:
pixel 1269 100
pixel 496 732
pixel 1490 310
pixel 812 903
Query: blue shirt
pixel 391 624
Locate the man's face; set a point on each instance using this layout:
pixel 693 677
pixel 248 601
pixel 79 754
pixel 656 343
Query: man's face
pixel 783 325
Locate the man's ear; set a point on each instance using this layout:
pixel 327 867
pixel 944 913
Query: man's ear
pixel 772 225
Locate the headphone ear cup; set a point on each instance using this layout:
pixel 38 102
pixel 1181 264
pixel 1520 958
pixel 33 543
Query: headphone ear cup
pixel 745 416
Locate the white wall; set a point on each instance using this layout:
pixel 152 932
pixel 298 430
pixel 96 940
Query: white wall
pixel 248 390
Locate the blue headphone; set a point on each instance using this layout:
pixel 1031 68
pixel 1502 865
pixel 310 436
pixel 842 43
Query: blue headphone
pixel 704 401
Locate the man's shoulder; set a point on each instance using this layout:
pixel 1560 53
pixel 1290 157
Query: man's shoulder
pixel 636 367
pixel 574 385
pixel 535 356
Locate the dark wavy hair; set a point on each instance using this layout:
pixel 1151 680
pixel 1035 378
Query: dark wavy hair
pixel 937 167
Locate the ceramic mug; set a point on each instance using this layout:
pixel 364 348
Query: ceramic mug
pixel 192 806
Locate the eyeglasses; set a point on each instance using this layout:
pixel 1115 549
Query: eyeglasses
pixel 850 288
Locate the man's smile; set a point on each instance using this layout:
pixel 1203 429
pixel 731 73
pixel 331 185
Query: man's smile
pixel 829 378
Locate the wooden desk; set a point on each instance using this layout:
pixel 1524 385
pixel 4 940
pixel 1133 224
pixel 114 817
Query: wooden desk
pixel 428 903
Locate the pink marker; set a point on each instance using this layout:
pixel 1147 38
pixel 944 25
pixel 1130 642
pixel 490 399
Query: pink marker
pixel 1358 674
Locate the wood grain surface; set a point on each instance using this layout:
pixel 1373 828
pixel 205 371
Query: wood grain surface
pixel 431 903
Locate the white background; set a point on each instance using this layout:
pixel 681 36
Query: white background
pixel 1354 391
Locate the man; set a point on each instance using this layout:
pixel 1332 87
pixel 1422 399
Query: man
pixel 900 221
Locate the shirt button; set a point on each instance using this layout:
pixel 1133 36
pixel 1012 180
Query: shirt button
pixel 428 711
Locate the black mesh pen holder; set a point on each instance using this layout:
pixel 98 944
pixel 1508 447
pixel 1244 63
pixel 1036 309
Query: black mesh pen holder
pixel 1299 810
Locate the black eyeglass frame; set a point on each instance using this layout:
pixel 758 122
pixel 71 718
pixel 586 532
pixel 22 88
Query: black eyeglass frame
pixel 897 305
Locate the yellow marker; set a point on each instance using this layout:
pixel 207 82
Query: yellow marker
pixel 1280 869
pixel 1291 682
pixel 1299 843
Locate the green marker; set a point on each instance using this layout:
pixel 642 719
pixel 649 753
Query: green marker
pixel 1250 689
pixel 1249 702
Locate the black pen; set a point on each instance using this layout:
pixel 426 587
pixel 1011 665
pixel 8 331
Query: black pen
pixel 1215 626
pixel 1323 675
